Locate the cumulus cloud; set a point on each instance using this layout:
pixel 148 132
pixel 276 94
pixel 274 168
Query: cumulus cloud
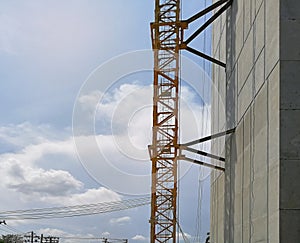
pixel 139 238
pixel 120 221
pixel 95 195
pixel 15 137
pixel 121 148
pixel 42 183
pixel 21 171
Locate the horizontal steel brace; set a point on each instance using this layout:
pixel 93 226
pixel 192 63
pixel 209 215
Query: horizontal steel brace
pixel 208 22
pixel 205 154
pixel 201 140
pixel 205 11
pixel 209 58
pixel 194 161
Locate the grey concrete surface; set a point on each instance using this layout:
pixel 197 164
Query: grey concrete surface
pixel 257 198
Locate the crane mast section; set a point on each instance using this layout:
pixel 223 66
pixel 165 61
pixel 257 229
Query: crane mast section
pixel 166 34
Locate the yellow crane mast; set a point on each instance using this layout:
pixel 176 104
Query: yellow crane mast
pixel 163 152
pixel 167 34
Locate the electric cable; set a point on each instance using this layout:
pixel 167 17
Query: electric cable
pixel 13 229
pixel 74 211
pixel 185 239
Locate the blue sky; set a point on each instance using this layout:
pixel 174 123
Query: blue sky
pixel 49 51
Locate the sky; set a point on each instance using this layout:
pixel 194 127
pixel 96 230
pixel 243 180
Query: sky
pixel 76 110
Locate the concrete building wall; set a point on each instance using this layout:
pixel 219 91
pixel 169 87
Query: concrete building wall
pixel 289 121
pixel 257 199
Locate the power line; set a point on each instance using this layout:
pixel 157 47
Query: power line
pixel 13 229
pixel 74 211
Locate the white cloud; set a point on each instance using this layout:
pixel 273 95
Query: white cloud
pixel 105 234
pixel 95 195
pixel 18 136
pixel 89 101
pixel 126 112
pixel 139 238
pixel 39 182
pixel 120 221
pixel 21 171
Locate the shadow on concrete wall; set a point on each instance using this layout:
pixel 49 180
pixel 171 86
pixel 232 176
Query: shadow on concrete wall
pixel 231 103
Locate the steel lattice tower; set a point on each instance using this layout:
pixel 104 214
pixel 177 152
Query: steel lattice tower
pixel 167 40
pixel 164 149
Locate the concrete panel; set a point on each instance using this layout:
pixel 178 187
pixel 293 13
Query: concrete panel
pixel 221 228
pixel 259 196
pixel 259 32
pixel 237 233
pixel 229 47
pixel 247 18
pixel 216 38
pixel 273 108
pixel 238 39
pixel 272 35
pixel 221 189
pixel 260 229
pixel 290 39
pixel 245 61
pixel 247 167
pixel 213 207
pixel 231 101
pixel 247 129
pixel 289 226
pixel 237 10
pixel 258 4
pixel 239 134
pixel 214 110
pixel 223 48
pixel 259 73
pixel 273 189
pixel 239 176
pixel 290 85
pixel 222 101
pixel 245 97
pixel 246 207
pixel 290 184
pixel 246 234
pixel 260 151
pixel 238 209
pixel 290 134
pixel 274 227
pixel 260 122
pixel 220 218
pixel 253 11
pixel 289 9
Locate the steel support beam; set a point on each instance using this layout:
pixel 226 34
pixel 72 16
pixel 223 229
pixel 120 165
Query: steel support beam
pixel 208 22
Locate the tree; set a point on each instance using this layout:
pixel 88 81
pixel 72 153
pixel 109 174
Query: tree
pixel 11 239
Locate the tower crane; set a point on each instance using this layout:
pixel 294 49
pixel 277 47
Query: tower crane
pixel 167 33
pixel 163 152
